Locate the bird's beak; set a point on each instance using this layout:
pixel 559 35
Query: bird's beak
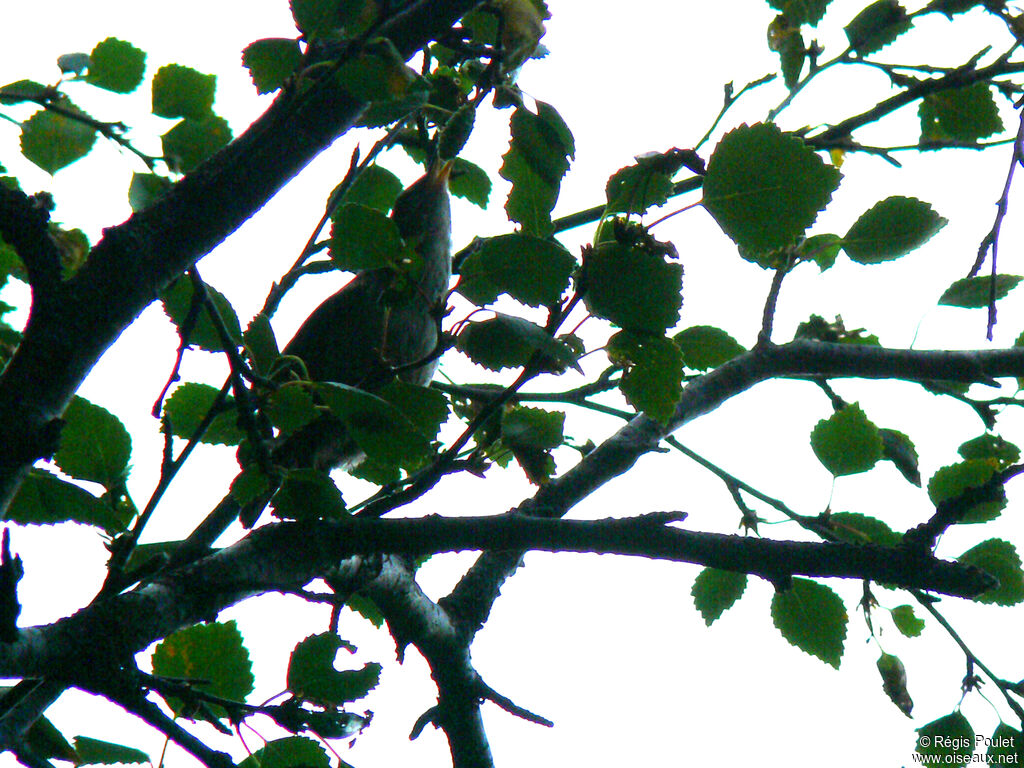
pixel 439 172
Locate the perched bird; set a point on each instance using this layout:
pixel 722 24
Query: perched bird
pixel 378 322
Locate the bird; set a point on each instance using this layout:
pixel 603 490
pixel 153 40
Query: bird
pixel 374 326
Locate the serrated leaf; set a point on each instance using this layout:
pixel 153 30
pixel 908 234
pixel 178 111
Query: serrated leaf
pixel 960 114
pixel 977 292
pixel 847 442
pixel 950 739
pixel 801 11
pixel 716 591
pixel 183 92
pixel 145 189
pixel 177 301
pixel 652 379
pixel 537 159
pixel 812 617
pixel 261 344
pixel 531 433
pixel 116 66
pixel 54 141
pixel 97 752
pixel 998 558
pixel 291 407
pixel 1004 747
pixel 636 188
pixel 506 341
pixel 705 347
pixel 765 187
pixel 312 676
pixel 307 494
pixel 876 26
pixel 857 528
pixel 633 287
pixel 989 446
pixel 383 432
pixel 891 228
pixel 271 61
pixel 212 656
pixel 94 445
pixel 894 682
pixel 191 141
pixel 530 269
pixel 951 481
pixel 470 182
pixel 289 752
pixel 45 499
pixel 426 408
pixel 906 621
pixel 187 407
pixel 364 238
pixel 900 450
pixel 376 187
pixel 821 249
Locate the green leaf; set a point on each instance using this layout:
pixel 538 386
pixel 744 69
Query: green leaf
pixel 537 159
pixel 116 66
pixel 716 591
pixel 857 528
pixel 906 621
pixel 1004 747
pixel 989 446
pixel 44 499
pixel 505 341
pixel 533 427
pixel 96 752
pixel 636 188
pixel 289 752
pixel 426 408
pixel 307 494
pixel 812 617
pixel 291 407
pixel 53 141
pixel 376 187
pixel 212 656
pixel 271 61
pixel 383 432
pixel 821 249
pixel 652 379
pixel 952 7
pixel 261 344
pixel 847 443
pixel 1000 559
pixel 316 18
pixel 177 301
pixel 950 482
pixel 894 682
pixel 705 347
pixel 633 287
pixel 977 292
pixel 94 445
pixel 960 114
pixel 187 407
pixel 530 269
pixel 381 77
pixel 470 182
pixel 312 676
pixel 876 26
pixel 22 90
pixel 183 92
pixel 146 189
pixel 900 450
pixel 948 740
pixel 364 238
pixel 765 187
pixel 891 228
pixel 45 740
pixel 191 141
pixel 801 11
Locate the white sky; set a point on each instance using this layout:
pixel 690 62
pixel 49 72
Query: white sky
pixel 611 649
